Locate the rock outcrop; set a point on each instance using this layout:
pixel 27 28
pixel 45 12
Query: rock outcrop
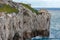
pixel 23 25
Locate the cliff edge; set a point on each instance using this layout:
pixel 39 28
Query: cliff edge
pixel 18 21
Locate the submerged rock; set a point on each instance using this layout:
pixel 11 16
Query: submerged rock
pixel 24 25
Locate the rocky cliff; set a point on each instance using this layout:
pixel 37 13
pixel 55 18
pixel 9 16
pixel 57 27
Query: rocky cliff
pixel 24 24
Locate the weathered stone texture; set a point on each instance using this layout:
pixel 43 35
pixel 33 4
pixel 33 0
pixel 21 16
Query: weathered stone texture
pixel 24 25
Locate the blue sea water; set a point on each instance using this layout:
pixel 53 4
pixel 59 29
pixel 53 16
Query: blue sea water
pixel 54 25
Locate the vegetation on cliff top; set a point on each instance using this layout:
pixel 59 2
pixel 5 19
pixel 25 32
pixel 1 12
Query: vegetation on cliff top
pixel 7 8
pixel 29 7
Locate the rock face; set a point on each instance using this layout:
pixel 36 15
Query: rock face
pixel 4 1
pixel 24 25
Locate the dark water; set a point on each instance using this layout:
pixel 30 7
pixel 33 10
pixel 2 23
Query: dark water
pixel 54 26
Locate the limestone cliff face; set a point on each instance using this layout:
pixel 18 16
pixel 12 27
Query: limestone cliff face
pixel 4 1
pixel 23 25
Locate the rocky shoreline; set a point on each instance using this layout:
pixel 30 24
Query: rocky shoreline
pixel 25 24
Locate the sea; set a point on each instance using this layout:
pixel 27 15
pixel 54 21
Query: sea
pixel 54 25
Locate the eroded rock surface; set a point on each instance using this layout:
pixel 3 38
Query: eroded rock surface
pixel 24 25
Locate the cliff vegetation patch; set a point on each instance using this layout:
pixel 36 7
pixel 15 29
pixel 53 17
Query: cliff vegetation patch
pixel 29 7
pixel 7 8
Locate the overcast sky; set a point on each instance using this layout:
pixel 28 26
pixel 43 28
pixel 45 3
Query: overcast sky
pixel 42 3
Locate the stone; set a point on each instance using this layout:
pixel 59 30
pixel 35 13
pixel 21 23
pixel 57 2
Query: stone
pixel 24 25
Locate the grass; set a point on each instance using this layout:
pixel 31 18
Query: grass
pixel 29 7
pixel 8 9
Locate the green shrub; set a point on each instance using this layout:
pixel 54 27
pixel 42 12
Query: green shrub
pixel 8 9
pixel 29 7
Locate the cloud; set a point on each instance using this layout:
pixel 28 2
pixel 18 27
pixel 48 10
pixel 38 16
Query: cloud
pixel 42 3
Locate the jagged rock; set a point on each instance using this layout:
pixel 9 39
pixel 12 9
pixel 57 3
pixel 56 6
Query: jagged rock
pixel 24 25
pixel 4 1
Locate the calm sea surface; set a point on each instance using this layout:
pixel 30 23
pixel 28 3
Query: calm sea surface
pixel 54 26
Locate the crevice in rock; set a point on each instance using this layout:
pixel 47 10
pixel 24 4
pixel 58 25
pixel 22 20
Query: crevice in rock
pixel 19 24
pixel 43 33
pixel 25 13
pixel 16 36
pixel 4 27
pixel 34 33
pixel 40 13
pixel 24 22
pixel 47 19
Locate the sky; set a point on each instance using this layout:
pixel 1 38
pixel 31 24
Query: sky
pixel 42 3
